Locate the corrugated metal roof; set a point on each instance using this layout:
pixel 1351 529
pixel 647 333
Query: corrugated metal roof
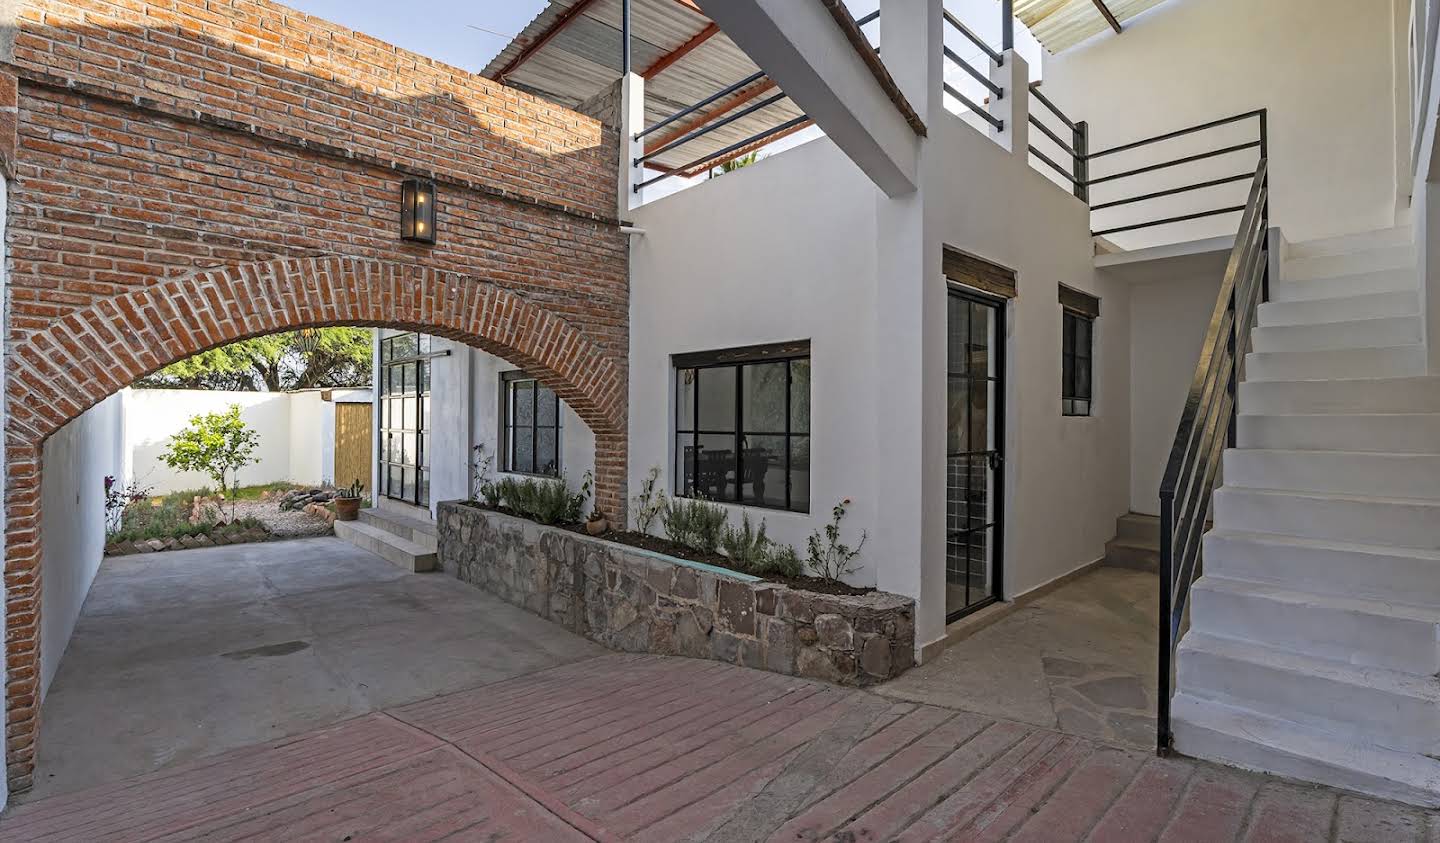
pixel 1061 24
pixel 582 58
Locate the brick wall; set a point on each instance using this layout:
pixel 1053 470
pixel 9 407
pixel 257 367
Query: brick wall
pixel 190 173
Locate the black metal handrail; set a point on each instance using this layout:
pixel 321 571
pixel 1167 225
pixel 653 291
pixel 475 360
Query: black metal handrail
pixel 997 58
pixel 1260 143
pixel 1078 172
pixel 1207 427
pixel 969 33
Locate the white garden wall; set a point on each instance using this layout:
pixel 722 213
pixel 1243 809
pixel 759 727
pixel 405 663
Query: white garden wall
pixel 296 434
pixel 77 459
pixel 1324 69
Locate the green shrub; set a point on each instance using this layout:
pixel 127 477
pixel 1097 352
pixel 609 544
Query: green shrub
pixel 781 560
pixel 830 558
pixel 746 545
pixel 695 523
pixel 546 501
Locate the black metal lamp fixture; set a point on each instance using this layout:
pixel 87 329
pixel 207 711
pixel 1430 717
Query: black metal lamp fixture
pixel 417 210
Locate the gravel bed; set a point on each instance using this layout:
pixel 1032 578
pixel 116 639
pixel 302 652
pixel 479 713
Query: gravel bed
pixel 282 525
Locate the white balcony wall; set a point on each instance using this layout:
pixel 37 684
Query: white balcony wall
pixel 1327 70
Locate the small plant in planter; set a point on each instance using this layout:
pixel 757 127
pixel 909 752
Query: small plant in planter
pixel 597 523
pixel 831 559
pixel 347 502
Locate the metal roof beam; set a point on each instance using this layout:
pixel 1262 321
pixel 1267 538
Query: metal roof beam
pixel 1109 16
pixel 546 37
pixel 710 31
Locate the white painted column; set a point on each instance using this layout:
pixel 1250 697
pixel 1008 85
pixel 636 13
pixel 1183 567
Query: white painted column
pixel 632 123
pixel 909 537
pixel 1012 109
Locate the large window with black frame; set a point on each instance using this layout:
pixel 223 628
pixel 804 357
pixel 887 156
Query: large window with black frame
pixel 531 426
pixel 1079 311
pixel 742 426
pixel 404 382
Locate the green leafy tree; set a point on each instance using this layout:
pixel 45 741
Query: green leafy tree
pixel 304 359
pixel 216 444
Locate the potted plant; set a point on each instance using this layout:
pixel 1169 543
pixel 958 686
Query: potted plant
pixel 347 502
pixel 596 524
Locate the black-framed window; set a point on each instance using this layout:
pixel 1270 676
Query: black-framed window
pixel 531 422
pixel 1076 352
pixel 404 381
pixel 742 426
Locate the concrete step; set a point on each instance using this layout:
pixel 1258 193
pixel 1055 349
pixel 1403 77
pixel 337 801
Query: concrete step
pixel 1135 556
pixel 1391 362
pixel 1340 309
pixel 421 531
pixel 1135 528
pixel 1338 472
pixel 1360 243
pixel 1354 333
pixel 403 553
pixel 1394 710
pixel 1212 730
pixel 1355 262
pixel 1358 395
pixel 1393 522
pixel 1368 633
pixel 1398 433
pixel 1343 569
pixel 1342 286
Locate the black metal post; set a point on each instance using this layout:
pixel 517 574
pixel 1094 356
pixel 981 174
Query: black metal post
pixel 625 37
pixel 1007 25
pixel 1265 207
pixel 1167 590
pixel 1081 144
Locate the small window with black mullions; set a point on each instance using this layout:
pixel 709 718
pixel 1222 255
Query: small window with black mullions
pixel 742 426
pixel 531 422
pixel 1077 351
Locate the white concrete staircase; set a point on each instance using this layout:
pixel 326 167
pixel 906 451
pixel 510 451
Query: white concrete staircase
pixel 1314 643
pixel 406 541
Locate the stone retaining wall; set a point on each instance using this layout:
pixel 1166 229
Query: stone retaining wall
pixel 637 601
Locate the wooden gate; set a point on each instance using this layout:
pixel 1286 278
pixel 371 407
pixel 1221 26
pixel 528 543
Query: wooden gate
pixel 353 439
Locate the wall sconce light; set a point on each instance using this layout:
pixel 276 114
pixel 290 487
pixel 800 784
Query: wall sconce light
pixel 417 210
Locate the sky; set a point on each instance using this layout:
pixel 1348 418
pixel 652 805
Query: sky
pixel 451 31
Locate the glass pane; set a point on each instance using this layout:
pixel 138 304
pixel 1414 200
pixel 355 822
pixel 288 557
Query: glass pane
pixel 424 488
pixel 394 486
pixel 522 397
pixel 715 466
pixel 958 334
pixel 799 396
pixel 1083 330
pixel 982 339
pixel 979 415
pixel 547 456
pixel 407 377
pixel 684 464
pixel 407 413
pixel 407 484
pixel 424 458
pixel 424 375
pixel 1082 379
pixel 408 452
pixel 423 421
pixel 957 438
pixel 800 473
pixel 684 399
pixel 717 398
pixel 545 408
pixel 762 404
pixel 403 346
pixel 423 343
pixel 524 442
pixel 763 466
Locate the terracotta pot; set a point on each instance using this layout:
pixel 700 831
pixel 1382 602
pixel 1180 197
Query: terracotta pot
pixel 347 509
pixel 596 526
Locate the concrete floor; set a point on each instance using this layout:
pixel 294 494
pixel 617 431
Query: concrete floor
pixel 1080 660
pixel 185 654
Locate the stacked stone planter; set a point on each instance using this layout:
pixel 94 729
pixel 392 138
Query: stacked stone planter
pixel 638 601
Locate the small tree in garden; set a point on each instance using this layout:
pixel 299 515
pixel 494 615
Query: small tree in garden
pixel 216 444
pixel 830 558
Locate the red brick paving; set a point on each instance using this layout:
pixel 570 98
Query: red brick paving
pixel 645 748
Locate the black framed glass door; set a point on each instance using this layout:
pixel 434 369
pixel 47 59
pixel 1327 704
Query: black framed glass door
pixel 404 380
pixel 974 475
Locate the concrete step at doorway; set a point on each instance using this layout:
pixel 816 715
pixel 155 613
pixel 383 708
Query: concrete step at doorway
pixel 400 551
pixel 421 531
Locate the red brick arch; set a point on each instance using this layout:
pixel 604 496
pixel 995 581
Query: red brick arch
pixel 81 358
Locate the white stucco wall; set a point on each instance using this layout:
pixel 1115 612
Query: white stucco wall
pixel 778 251
pixel 1067 477
pixel 787 250
pixel 296 434
pixel 76 460
pixel 1323 68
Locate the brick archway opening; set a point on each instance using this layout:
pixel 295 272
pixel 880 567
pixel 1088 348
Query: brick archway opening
pixel 55 374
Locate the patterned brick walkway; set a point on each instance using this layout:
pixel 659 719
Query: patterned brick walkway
pixel 642 748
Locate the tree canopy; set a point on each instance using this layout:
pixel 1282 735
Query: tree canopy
pixel 314 357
